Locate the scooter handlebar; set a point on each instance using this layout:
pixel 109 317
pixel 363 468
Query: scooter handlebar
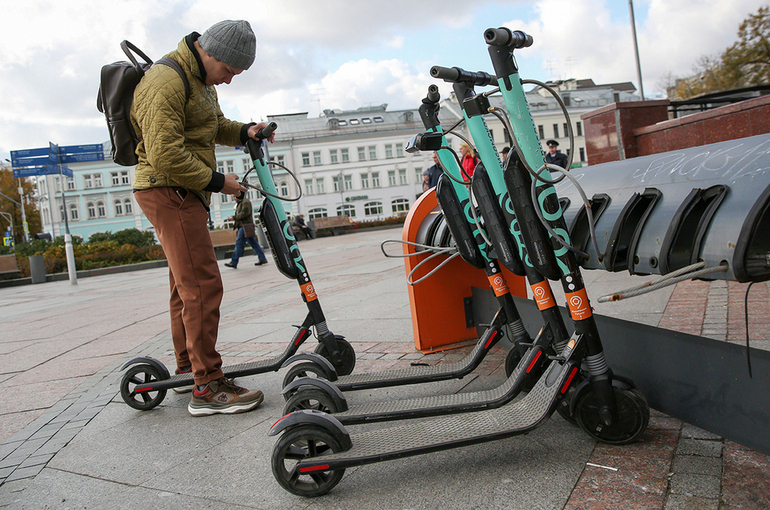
pixel 502 36
pixel 268 130
pixel 455 74
pixel 433 95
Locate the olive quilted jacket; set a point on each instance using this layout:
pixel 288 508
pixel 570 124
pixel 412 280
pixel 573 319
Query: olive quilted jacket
pixel 178 135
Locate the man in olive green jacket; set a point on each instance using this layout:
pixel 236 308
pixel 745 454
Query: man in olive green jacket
pixel 173 182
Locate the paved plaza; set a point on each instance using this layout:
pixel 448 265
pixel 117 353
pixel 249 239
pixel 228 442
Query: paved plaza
pixel 69 441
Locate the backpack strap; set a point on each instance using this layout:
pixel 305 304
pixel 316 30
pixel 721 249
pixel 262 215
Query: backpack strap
pixel 173 64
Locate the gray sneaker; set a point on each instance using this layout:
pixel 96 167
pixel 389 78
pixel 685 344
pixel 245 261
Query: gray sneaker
pixel 183 389
pixel 223 397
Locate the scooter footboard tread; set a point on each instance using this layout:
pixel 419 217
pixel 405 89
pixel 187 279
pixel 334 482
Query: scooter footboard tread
pixel 425 436
pixel 232 371
pixel 379 411
pixel 416 373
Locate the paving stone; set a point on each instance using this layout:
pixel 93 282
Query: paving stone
pixel 692 432
pixel 695 464
pixel 704 486
pixel 682 502
pixel 28 472
pixel 700 447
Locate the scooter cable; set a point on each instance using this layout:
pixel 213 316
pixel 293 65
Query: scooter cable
pixel 686 273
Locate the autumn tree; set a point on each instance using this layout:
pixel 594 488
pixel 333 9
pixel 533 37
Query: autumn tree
pixel 9 186
pixel 745 63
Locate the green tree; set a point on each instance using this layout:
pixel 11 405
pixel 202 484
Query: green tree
pixel 745 63
pixel 9 186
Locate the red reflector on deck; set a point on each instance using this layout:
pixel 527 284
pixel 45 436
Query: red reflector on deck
pixel 569 380
pixel 534 360
pixel 322 467
pixel 491 337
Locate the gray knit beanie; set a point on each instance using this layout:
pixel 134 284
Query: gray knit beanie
pixel 231 42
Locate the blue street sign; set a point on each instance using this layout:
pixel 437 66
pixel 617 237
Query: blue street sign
pixel 24 156
pixel 79 149
pixel 82 157
pixel 22 162
pixel 41 170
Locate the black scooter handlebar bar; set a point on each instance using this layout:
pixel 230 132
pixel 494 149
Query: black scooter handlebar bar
pixel 502 36
pixel 455 75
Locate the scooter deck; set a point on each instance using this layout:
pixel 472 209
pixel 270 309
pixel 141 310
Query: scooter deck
pixel 448 432
pixel 446 404
pixel 420 374
pixel 240 370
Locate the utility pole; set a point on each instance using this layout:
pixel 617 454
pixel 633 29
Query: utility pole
pixel 636 49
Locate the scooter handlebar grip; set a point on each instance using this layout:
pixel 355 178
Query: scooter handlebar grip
pixel 445 73
pixel 433 95
pixel 506 37
pixel 268 130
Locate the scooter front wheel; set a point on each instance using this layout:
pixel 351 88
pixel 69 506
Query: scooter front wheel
pixel 300 370
pixel 141 374
pixel 302 443
pixel 310 399
pixel 348 362
pixel 630 422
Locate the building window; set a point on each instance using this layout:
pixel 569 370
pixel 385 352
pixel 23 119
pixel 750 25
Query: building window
pixel 362 154
pixel 556 131
pixel 87 182
pixel 399 204
pixel 345 155
pixel 336 182
pixel 579 128
pixel 318 212
pixel 309 186
pixel 399 150
pixel 70 183
pixel 372 208
pixel 74 214
pixel 97 180
pixel 224 198
pixel 348 182
pixel 372 152
pixel 346 210
pixel 566 129
pixel 365 181
pixel 316 158
pixel 128 206
pixel 283 188
pixel 540 131
pixel 319 185
pixel 101 209
pixel 388 151
pixel 418 175
pixel 333 156
pixel 402 176
pixel 91 208
pixel 305 159
pixel 391 177
pixel 366 120
pixel 221 167
pixel 230 166
pixel 119 178
pixel 375 179
pixel 582 152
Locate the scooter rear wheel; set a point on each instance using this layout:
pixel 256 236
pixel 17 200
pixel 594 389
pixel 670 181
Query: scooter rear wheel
pixel 630 423
pixel 141 374
pixel 318 400
pixel 345 367
pixel 302 443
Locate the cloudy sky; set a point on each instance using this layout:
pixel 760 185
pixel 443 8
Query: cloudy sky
pixel 313 55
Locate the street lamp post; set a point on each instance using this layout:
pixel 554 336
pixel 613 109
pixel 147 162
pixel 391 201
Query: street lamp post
pixel 636 49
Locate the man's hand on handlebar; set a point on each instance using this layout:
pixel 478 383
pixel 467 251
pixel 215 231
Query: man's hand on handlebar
pixel 254 130
pixel 232 186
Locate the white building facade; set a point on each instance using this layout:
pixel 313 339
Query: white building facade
pixel 344 162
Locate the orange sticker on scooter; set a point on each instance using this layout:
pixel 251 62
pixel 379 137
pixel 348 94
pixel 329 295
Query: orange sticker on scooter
pixel 498 284
pixel 309 291
pixel 578 304
pixel 543 297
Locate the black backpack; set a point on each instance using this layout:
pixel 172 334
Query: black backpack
pixel 116 93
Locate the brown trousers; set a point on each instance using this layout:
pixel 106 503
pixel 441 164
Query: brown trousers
pixel 181 224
